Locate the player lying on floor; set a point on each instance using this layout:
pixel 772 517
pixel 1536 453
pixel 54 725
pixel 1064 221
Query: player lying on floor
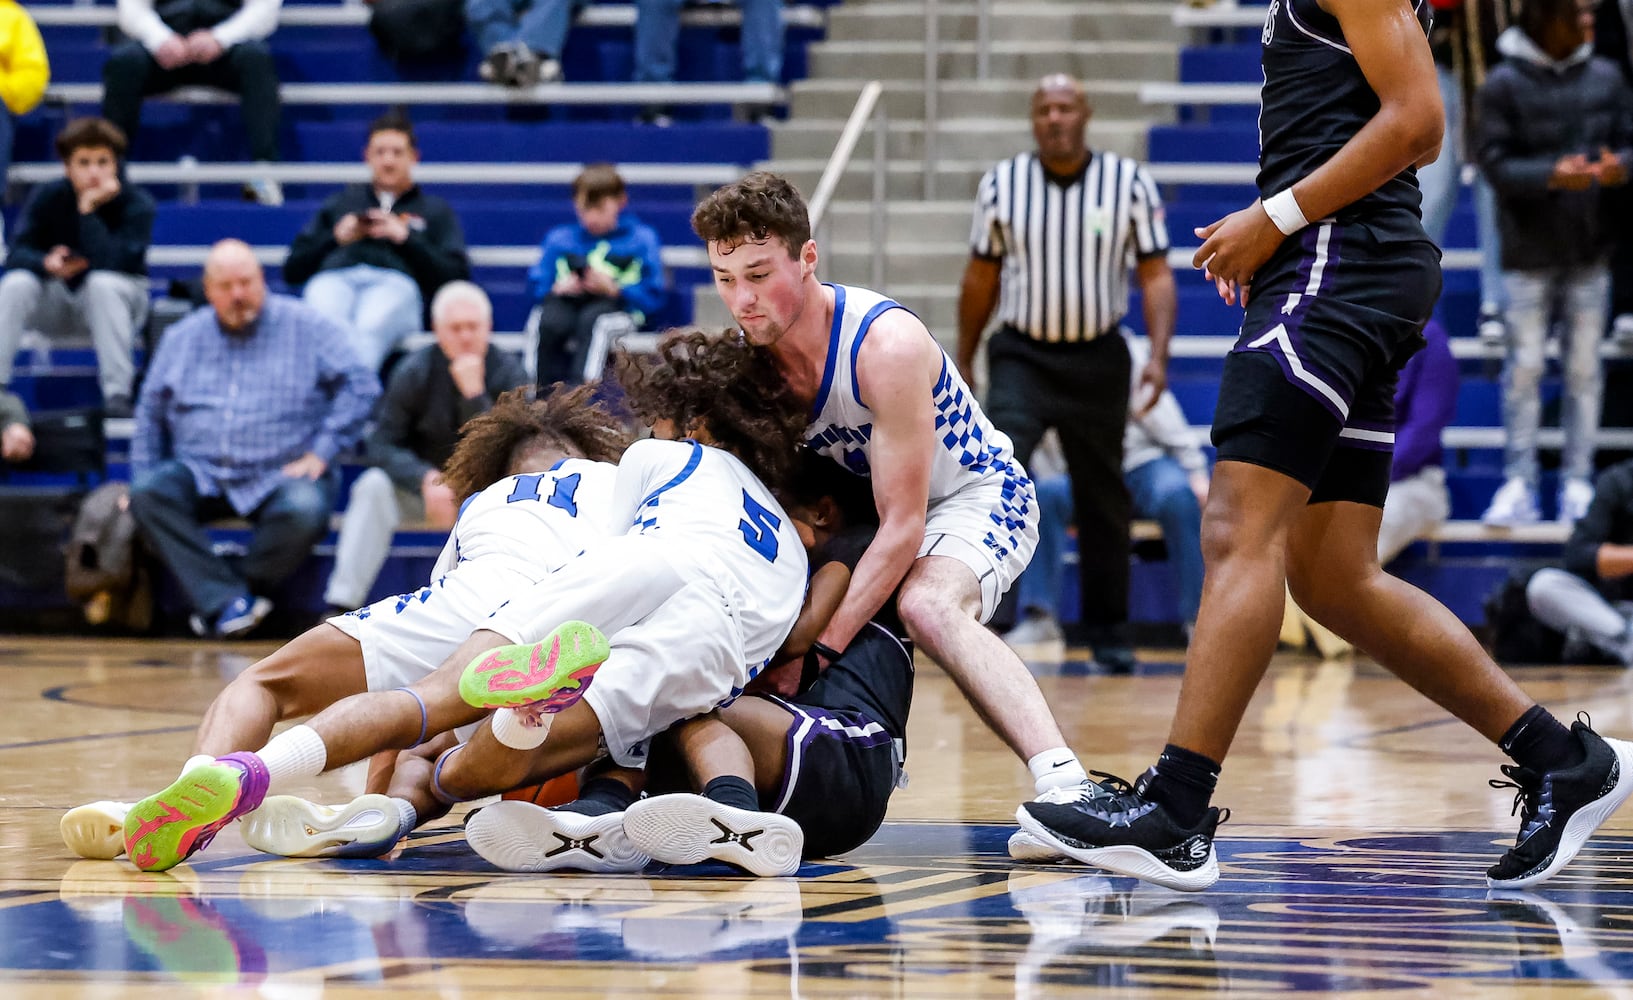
pixel 809 776
pixel 523 471
pixel 696 595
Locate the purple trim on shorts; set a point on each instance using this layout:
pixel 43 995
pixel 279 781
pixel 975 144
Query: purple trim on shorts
pixel 1292 321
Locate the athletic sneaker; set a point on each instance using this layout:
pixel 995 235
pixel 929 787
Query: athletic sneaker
pixel 95 830
pixel 554 673
pixel 368 826
pixel 1513 504
pixel 1561 809
pixel 1110 826
pixel 163 830
pixel 684 829
pixel 522 837
pixel 1574 498
pixel 1029 849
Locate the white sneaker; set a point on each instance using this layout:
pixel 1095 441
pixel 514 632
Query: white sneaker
pixel 1026 848
pixel 1514 503
pixel 1574 498
pixel 1033 630
pixel 264 190
pixel 96 830
pixel 368 826
pixel 1493 332
pixel 1621 331
pixel 522 837
pixel 684 829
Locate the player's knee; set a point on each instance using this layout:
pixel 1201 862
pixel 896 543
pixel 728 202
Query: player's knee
pixel 1523 368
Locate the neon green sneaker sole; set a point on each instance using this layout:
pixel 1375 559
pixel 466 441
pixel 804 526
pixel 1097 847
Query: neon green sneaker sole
pixel 551 674
pixel 163 830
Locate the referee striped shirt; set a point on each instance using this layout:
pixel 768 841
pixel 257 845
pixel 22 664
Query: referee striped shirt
pixel 1067 243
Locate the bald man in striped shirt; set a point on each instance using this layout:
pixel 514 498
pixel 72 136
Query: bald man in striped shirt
pixel 1053 234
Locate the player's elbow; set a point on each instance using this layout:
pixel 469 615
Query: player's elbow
pixel 1420 130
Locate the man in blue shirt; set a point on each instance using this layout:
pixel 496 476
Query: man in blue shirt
pixel 243 411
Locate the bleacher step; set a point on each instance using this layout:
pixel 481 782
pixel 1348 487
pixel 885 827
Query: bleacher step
pixel 1026 60
pixel 1008 20
pixel 955 138
pixel 904 100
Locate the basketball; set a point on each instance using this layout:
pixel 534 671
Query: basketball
pixel 555 792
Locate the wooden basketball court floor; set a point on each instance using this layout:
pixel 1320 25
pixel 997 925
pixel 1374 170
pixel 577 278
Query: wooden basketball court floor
pixel 1354 866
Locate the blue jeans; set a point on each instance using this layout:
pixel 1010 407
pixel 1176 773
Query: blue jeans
pixel 541 25
pixel 378 305
pixel 1531 297
pixel 657 36
pixel 1039 588
pixel 1441 181
pixel 1162 492
pixel 171 514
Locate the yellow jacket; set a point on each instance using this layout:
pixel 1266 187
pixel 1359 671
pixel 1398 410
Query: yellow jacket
pixel 24 71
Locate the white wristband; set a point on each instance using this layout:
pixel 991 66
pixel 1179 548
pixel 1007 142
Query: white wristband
pixel 509 730
pixel 1284 212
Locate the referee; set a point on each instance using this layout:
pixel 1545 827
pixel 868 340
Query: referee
pixel 1050 248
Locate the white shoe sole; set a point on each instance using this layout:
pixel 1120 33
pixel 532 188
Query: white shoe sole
pixel 522 837
pixel 1584 822
pixel 291 827
pixel 1026 848
pixel 686 829
pixel 96 830
pixel 1125 859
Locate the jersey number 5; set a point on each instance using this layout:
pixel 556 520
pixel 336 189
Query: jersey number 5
pixel 760 528
pixel 527 488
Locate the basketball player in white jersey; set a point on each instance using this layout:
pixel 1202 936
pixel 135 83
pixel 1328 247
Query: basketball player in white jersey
pixel 546 459
pixel 957 513
pixel 683 615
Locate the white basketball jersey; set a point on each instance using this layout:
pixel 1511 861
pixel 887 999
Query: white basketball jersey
pixel 706 502
pixel 968 448
pixel 543 518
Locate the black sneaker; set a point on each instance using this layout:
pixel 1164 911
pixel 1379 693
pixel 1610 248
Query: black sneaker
pixel 1110 826
pixel 1560 810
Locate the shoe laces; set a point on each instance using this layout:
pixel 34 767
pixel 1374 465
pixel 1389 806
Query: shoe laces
pixel 1110 789
pixel 1533 798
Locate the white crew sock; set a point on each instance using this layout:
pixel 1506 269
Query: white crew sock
pixel 509 729
pixel 407 819
pixel 197 760
pixel 296 753
pixel 1056 768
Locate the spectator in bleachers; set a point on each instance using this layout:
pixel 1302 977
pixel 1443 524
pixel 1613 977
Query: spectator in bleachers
pixel 78 262
pixel 657 44
pixel 1167 477
pixel 1425 401
pixel 244 409
pixel 521 40
pixel 375 253
pixel 16 437
pixel 1613 40
pixel 24 72
pixel 1555 129
pixel 1464 43
pixel 212 43
pixel 608 261
pixel 1588 599
pixel 430 396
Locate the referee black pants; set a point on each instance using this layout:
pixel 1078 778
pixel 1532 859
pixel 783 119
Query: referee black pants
pixel 1081 390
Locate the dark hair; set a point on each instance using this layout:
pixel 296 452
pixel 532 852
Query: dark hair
pixel 570 418
pixel 90 133
pixel 755 208
pixel 395 120
pixel 597 181
pixel 816 476
pixel 731 386
pixel 1535 16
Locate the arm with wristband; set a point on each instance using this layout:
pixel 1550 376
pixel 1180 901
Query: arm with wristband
pixel 1388 44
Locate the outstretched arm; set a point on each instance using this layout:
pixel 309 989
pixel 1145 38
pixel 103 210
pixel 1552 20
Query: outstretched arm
pixel 896 371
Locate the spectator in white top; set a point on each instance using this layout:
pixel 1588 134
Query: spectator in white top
pixel 213 43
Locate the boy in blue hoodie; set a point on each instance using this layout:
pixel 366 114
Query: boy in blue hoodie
pixel 606 262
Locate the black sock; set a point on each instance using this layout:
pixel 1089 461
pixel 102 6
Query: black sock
pixel 601 796
pixel 730 790
pixel 1183 783
pixel 1539 742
